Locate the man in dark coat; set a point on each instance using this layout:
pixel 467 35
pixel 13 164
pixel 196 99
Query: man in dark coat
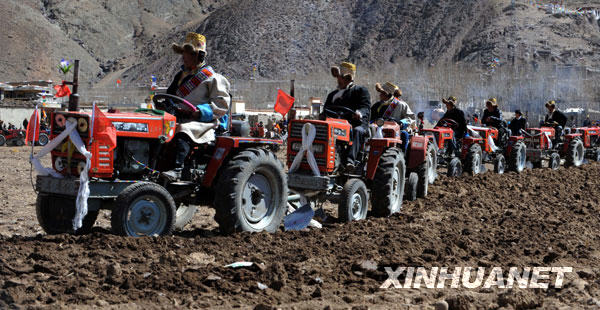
pixel 555 118
pixel 355 98
pixel 518 123
pixel 492 116
pixel 457 115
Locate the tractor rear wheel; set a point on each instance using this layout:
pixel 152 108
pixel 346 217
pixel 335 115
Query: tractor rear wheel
pixel 388 184
pixel 423 172
pixel 575 153
pixel 55 215
pixel 354 201
pixel 455 167
pixel 554 161
pixel 411 186
pixel 2 140
pixel 19 142
pixel 518 157
pixel 432 149
pixel 499 164
pixel 143 209
pixel 43 139
pixel 597 155
pixel 251 193
pixel 473 160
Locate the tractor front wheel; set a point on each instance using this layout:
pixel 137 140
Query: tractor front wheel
pixel 2 140
pixel 388 184
pixel 411 186
pixel 19 142
pixel 143 209
pixel 251 193
pixel 432 150
pixel 423 172
pixel 554 161
pixel 354 201
pixel 43 139
pixel 55 215
pixel 575 153
pixel 473 159
pixel 499 164
pixel 455 167
pixel 518 157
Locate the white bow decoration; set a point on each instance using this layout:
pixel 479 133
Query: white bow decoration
pixel 308 136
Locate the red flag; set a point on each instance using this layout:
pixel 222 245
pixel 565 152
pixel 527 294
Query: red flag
pixel 33 127
pixel 62 90
pixel 284 102
pixel 103 130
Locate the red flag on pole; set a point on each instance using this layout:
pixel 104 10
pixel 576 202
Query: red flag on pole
pixel 284 102
pixel 103 129
pixel 33 127
pixel 62 90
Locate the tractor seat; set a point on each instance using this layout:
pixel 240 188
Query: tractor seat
pixel 240 128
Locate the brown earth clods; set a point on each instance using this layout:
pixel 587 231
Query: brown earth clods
pixel 538 218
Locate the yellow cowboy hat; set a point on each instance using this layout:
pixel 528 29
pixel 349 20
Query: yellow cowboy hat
pixel 346 69
pixel 389 89
pixel 193 42
pixel 451 100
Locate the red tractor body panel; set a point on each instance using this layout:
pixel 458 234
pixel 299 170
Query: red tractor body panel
pixel 376 148
pixel 417 151
pixel 442 135
pixel 485 133
pixel 137 125
pixel 468 141
pixel 328 132
pixel 541 138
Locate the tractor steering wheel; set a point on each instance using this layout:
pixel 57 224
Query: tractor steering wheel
pixel 337 111
pixel 172 104
pixel 448 123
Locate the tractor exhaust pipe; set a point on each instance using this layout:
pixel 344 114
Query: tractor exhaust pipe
pixel 74 97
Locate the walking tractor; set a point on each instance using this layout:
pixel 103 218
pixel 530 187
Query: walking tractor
pixel 316 154
pixel 237 174
pixel 542 144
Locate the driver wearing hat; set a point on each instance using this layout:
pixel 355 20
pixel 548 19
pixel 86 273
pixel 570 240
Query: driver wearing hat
pixel 355 98
pixel 208 91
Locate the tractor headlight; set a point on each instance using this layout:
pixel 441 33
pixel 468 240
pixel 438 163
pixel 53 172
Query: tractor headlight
pixel 82 125
pixel 58 164
pixel 380 122
pixel 296 146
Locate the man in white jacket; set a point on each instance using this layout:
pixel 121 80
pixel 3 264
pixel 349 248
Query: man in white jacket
pixel 198 83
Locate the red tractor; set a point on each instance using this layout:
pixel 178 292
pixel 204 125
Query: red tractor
pixel 484 145
pixel 380 178
pixel 236 173
pixel 591 141
pixel 480 145
pixel 543 145
pixel 12 137
pixel 442 136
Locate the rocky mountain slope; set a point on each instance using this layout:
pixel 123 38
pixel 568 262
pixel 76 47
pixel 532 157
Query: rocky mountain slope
pixel 130 40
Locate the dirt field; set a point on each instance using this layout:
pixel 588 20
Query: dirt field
pixel 538 218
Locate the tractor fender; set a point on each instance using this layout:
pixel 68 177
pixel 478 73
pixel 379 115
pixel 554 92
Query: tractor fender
pixel 377 148
pixel 417 151
pixel 512 140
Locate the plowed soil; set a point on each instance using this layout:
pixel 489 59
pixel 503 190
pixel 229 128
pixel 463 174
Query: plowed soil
pixel 538 218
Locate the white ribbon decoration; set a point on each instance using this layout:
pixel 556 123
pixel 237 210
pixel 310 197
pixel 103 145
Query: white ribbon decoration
pixel 84 189
pixel 547 134
pixel 308 136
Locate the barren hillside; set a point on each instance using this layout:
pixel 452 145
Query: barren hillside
pixel 131 40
